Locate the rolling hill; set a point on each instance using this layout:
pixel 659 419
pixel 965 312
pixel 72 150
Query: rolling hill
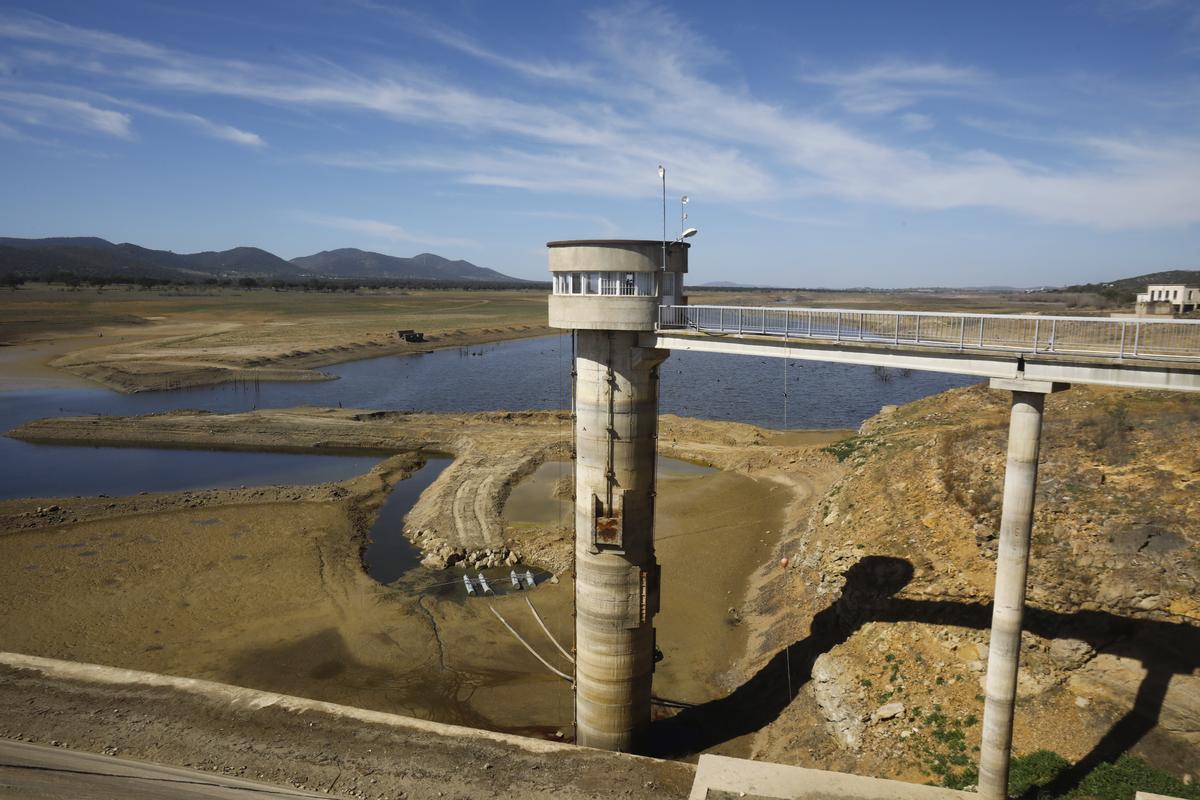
pixel 1138 283
pixel 89 256
pixel 350 262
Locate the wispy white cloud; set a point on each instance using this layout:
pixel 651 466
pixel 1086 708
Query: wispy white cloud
pixel 217 130
pixel 643 100
pixel 597 222
pixel 1182 15
pixel 800 219
pixel 381 230
pixel 31 108
pixel 540 69
pixel 915 122
pixel 37 28
pixel 891 85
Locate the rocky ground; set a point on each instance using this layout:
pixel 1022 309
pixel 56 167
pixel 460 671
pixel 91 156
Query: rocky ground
pixel 894 574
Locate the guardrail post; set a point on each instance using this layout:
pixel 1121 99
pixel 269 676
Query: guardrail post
pixel 917 334
pixel 739 322
pixel 1137 334
pixel 981 333
pixel 1053 331
pixel 837 337
pixel 896 338
pixel 809 314
pixel 860 326
pixel 1122 353
pixel 1037 335
pixel 962 332
pixel 787 322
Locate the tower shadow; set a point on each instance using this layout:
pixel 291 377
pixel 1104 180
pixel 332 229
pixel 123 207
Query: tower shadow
pixel 1164 649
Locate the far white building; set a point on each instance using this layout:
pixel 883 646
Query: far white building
pixel 1182 298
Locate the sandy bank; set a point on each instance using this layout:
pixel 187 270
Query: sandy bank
pixel 131 340
pixel 157 364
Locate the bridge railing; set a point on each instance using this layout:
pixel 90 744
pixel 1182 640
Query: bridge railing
pixel 1092 336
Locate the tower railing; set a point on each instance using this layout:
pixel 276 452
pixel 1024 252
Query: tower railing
pixel 1100 337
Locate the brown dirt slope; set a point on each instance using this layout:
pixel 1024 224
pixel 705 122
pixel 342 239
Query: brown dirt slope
pixel 895 576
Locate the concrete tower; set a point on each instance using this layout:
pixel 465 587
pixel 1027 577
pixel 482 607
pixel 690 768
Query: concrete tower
pixel 608 292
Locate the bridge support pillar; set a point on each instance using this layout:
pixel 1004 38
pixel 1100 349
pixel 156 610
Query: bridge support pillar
pixel 616 575
pixel 1012 566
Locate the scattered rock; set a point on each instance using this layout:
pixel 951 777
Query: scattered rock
pixel 833 699
pixel 888 711
pixel 1070 653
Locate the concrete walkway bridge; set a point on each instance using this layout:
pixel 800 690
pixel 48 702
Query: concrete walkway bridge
pixel 623 300
pixel 1132 353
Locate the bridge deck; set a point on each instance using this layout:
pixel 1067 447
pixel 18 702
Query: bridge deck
pixel 1148 354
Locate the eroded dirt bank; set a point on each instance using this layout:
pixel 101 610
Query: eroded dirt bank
pixel 888 611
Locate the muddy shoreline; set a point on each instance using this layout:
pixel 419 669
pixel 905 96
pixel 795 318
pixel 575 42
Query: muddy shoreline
pixel 291 557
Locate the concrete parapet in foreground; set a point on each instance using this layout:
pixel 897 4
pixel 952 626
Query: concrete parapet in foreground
pixel 721 776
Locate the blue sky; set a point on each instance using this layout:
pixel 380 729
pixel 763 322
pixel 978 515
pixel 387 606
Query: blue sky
pixel 821 144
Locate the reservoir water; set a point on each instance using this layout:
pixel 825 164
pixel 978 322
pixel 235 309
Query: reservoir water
pixel 477 378
pixel 33 470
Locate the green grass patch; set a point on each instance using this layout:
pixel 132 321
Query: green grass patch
pixel 847 447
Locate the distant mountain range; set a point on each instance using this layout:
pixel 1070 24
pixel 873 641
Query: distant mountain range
pixel 88 256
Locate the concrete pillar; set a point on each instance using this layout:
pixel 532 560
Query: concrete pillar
pixel 1012 566
pixel 616 574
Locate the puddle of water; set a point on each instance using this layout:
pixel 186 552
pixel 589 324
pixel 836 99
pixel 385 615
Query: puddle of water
pixel 669 468
pixel 389 553
pixel 534 501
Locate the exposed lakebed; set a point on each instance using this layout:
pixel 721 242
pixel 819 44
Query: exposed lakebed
pixel 321 626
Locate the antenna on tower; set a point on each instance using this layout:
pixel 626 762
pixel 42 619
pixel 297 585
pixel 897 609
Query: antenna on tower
pixel 662 174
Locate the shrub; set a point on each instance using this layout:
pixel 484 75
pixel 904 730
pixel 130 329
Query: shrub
pixel 1034 771
pixel 1127 776
pixel 846 447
